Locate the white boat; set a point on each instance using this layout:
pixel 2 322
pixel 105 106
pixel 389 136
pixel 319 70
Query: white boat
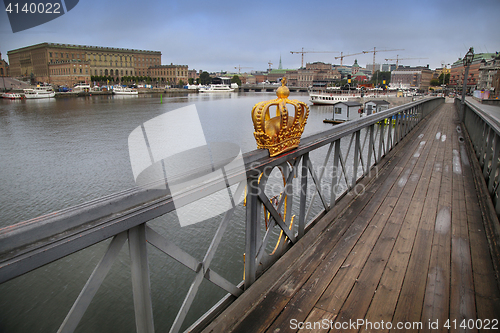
pixel 12 96
pixel 326 98
pixel 217 88
pixel 332 95
pixel 81 87
pixel 39 92
pixel 118 90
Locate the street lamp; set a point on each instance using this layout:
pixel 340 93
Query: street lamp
pixel 467 60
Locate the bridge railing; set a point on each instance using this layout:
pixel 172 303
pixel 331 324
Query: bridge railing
pixel 284 196
pixel 484 134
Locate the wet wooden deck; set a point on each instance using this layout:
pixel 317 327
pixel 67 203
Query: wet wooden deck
pixel 412 250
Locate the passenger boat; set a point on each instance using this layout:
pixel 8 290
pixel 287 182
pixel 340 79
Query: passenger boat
pixel 12 96
pixel 39 92
pixel 119 90
pixel 81 87
pixel 326 98
pixel 217 88
pixel 330 96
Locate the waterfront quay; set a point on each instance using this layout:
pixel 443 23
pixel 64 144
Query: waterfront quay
pixel 391 219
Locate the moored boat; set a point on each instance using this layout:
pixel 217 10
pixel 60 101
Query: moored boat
pixel 39 92
pixel 12 96
pixel 217 88
pixel 119 90
pixel 81 87
pixel 326 98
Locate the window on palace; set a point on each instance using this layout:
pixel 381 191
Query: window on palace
pixel 81 71
pixel 50 54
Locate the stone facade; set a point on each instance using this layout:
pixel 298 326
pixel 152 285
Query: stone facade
pixel 69 72
pixel 169 74
pixel 457 71
pixel 411 77
pixel 4 67
pixel 489 74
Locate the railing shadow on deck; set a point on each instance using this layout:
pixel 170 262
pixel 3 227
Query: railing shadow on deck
pixel 311 179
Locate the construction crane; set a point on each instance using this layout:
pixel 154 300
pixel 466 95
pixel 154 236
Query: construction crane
pixel 375 51
pixel 239 68
pixel 302 52
pixel 342 56
pixel 397 59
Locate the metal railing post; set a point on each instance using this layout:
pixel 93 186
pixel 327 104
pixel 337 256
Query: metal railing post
pixel 251 231
pixel 141 286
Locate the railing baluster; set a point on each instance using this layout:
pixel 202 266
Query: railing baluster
pixel 141 286
pixel 489 152
pixel 251 231
pixel 380 143
pixel 355 160
pixel 494 164
pixel 303 195
pixel 335 177
pixel 370 150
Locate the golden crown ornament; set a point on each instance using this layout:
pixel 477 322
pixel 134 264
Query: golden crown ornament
pixel 282 132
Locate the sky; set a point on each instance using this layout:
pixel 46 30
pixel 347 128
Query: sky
pixel 221 35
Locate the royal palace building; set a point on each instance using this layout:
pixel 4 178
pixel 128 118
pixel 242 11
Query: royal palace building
pixel 68 64
pixel 170 74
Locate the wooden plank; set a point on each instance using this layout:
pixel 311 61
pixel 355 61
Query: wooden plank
pixel 462 299
pixel 409 303
pixel 318 321
pixel 436 300
pixel 263 314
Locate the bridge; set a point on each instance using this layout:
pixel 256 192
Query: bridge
pixel 390 219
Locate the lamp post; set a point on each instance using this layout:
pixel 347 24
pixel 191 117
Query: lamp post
pixel 467 60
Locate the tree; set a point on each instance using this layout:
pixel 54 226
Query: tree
pixel 379 78
pixel 434 82
pixel 205 78
pixel 236 79
pixel 191 80
pixel 181 83
pixel 446 78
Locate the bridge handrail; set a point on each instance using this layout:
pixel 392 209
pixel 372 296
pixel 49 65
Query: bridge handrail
pixel 484 132
pixel 31 244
